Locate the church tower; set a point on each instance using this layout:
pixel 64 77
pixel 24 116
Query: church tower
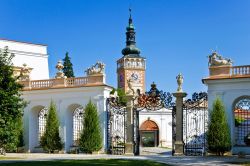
pixel 131 67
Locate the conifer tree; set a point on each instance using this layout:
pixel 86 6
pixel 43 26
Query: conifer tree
pixel 218 135
pixel 11 103
pixel 68 66
pixel 90 139
pixel 51 140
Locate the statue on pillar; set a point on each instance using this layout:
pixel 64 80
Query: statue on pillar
pixel 130 86
pixel 217 60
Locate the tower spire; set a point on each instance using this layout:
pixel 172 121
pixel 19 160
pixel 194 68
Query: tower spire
pixel 130 48
pixel 130 16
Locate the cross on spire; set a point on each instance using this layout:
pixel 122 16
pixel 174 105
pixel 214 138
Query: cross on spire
pixel 130 16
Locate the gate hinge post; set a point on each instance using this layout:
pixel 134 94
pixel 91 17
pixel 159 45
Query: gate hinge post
pixel 179 143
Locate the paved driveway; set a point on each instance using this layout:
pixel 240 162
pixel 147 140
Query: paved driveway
pixel 180 161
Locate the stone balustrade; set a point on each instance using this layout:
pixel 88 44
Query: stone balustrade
pixel 228 71
pixel 92 80
pixel 240 70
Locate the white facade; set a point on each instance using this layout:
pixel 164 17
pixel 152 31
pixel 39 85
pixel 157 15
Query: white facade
pixel 163 119
pixel 230 91
pixel 66 100
pixel 34 55
pixel 68 94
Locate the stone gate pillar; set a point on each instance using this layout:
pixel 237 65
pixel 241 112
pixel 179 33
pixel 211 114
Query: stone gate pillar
pixel 179 95
pixel 129 124
pixel 179 144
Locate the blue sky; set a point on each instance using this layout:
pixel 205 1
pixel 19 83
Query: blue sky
pixel 174 35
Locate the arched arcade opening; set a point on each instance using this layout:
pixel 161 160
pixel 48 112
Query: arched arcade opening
pixel 149 134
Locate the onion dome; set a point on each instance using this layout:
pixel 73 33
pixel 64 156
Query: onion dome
pixel 130 48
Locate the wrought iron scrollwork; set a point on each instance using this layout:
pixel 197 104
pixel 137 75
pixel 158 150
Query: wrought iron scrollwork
pixel 197 100
pixel 115 102
pixel 195 122
pixel 116 115
pixel 154 100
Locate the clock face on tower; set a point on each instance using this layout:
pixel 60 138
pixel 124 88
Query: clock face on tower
pixel 135 76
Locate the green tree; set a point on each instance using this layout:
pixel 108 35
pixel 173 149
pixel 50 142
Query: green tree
pixel 122 100
pixel 68 66
pixel 90 139
pixel 20 137
pixel 51 140
pixel 218 134
pixel 11 103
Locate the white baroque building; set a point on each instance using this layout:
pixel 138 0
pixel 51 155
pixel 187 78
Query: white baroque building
pixel 232 85
pixel 69 94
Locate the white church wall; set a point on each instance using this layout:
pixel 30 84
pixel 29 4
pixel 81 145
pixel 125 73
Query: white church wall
pixel 229 90
pixel 34 55
pixel 66 100
pixel 163 118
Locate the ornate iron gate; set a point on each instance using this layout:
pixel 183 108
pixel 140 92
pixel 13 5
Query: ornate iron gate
pixel 195 120
pixel 116 116
pixel 150 101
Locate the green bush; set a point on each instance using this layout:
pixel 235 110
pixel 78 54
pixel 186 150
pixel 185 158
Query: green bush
pixel 218 135
pixel 90 139
pixel 51 140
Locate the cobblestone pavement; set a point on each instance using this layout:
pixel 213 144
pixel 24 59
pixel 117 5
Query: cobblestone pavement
pixel 180 161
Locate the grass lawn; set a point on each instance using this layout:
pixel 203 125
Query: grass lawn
pixel 99 162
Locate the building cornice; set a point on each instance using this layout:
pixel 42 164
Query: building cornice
pixel 28 43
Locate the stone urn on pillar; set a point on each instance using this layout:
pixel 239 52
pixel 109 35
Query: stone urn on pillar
pixel 59 68
pixel 179 95
pixel 60 78
pixel 179 79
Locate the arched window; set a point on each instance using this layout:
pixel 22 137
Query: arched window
pixel 77 124
pixel 42 116
pixel 242 122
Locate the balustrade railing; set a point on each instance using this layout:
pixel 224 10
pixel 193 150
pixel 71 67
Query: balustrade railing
pixel 240 70
pixel 63 82
pixel 41 84
pixel 76 81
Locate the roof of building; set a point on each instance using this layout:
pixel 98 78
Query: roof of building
pixel 23 42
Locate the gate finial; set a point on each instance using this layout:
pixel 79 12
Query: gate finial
pixel 179 79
